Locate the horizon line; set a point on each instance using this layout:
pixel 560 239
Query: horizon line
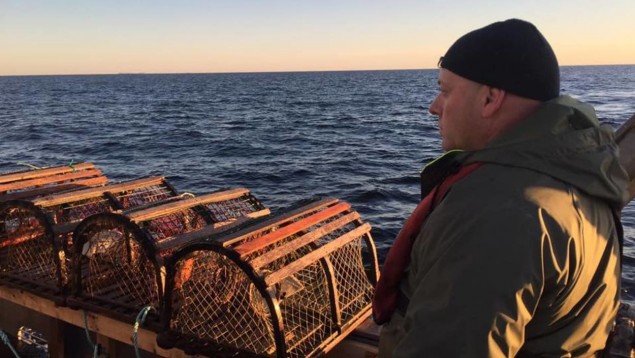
pixel 260 72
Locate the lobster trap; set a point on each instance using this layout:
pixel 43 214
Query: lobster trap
pixel 289 286
pixel 29 184
pixel 118 258
pixel 35 236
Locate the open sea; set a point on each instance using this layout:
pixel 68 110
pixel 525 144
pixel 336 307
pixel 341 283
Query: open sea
pixel 360 136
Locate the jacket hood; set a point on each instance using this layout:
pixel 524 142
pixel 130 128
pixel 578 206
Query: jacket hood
pixel 563 139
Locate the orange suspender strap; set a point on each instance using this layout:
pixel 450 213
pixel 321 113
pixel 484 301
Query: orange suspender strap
pixel 398 258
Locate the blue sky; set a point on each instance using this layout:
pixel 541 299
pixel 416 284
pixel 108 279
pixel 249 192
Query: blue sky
pixel 65 37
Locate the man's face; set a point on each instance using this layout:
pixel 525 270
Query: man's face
pixel 458 106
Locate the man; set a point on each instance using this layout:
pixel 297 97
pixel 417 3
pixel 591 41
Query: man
pixel 515 251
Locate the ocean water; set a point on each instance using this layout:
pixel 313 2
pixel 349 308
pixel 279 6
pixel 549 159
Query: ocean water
pixel 360 136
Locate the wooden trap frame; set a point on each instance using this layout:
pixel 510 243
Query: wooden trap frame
pixel 292 285
pixel 29 184
pixel 118 258
pixel 35 235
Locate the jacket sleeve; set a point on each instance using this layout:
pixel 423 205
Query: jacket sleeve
pixel 475 279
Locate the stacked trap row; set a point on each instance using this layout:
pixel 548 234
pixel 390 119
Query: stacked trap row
pixel 36 235
pixel 224 276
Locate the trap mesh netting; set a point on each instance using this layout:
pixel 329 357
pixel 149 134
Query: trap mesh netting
pixel 225 278
pixel 36 235
pixel 289 286
pixel 118 258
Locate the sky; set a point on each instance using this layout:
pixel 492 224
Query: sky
pixel 206 36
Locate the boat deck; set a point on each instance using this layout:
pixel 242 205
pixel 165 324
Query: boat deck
pixel 64 330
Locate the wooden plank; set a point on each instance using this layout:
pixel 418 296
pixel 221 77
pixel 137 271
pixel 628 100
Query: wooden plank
pixel 359 340
pixel 368 330
pixel 39 173
pixel 273 222
pixel 75 185
pixel 50 179
pixel 250 247
pixel 303 240
pixel 351 348
pixel 57 199
pixel 162 210
pixel 19 238
pixel 315 255
pixel 99 324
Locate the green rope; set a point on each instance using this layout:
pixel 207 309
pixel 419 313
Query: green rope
pixel 141 317
pixel 70 164
pixel 5 339
pixel 35 167
pixel 90 341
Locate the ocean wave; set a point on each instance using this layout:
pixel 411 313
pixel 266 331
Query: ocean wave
pixel 359 136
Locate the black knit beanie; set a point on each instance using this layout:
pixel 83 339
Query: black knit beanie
pixel 511 55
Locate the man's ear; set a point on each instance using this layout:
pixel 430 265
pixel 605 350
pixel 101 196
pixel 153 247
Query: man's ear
pixel 493 100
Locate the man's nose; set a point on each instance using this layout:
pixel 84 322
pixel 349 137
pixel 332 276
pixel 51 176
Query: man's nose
pixel 433 109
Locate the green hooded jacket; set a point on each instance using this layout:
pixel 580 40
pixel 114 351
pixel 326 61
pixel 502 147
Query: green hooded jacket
pixel 521 257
